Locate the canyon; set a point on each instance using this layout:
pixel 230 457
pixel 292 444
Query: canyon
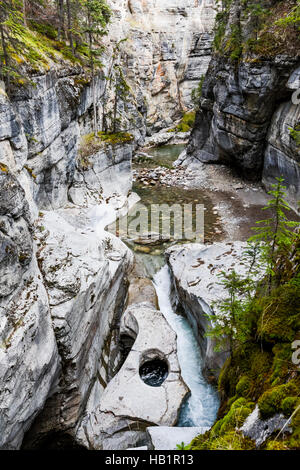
pixel 79 313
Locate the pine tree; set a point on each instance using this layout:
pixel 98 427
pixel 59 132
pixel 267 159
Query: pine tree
pixel 97 15
pixel 276 233
pixel 226 322
pixel 120 92
pixel 257 13
pixel 61 19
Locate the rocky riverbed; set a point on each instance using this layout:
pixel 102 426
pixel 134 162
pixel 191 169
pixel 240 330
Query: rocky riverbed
pixel 237 203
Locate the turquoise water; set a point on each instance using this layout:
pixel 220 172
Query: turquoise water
pixel 201 407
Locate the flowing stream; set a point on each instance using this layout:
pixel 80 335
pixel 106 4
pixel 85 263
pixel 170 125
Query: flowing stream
pixel 201 407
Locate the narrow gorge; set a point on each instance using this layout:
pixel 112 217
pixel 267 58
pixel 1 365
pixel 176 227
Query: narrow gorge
pixel 140 143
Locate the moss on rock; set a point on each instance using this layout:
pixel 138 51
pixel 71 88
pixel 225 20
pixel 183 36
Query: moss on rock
pixel 271 401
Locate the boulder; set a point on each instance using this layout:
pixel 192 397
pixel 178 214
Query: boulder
pixel 167 438
pixel 259 430
pixel 128 405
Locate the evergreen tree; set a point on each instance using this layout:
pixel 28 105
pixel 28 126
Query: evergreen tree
pixel 97 15
pixel 61 19
pixel 275 233
pixel 120 93
pixel 257 13
pixel 227 320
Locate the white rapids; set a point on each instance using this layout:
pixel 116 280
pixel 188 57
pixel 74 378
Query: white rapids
pixel 201 407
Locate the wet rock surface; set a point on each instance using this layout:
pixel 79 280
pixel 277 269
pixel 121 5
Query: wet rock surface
pixel 194 270
pixel 127 403
pixel 260 430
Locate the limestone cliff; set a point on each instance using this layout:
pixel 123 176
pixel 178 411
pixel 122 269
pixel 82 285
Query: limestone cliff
pixel 63 279
pixel 168 49
pixel 248 110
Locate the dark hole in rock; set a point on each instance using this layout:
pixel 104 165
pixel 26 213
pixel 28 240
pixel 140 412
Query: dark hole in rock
pixel 126 344
pixel 154 372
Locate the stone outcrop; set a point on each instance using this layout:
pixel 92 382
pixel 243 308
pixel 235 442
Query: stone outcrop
pixel 282 154
pixel 259 430
pixel 118 419
pixel 102 175
pixel 167 51
pixel 194 270
pixel 246 110
pixel 41 144
pixel 236 109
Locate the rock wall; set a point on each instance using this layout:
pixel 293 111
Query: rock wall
pixel 62 285
pixel 246 109
pixel 168 49
pixel 282 154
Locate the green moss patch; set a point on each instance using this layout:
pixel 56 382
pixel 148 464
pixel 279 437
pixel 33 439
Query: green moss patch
pixel 186 124
pixel 91 144
pixel 273 400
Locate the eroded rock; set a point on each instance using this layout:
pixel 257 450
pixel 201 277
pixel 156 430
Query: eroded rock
pixel 195 269
pixel 128 404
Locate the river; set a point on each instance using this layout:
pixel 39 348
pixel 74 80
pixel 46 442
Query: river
pixel 200 409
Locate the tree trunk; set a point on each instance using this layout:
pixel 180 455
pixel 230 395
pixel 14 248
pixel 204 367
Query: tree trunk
pixel 95 121
pixel 61 26
pixel 115 113
pixel 24 13
pixel 69 14
pixel 104 100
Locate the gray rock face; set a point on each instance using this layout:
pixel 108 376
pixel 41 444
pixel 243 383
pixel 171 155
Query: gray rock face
pixel 15 237
pixel 259 430
pixel 166 438
pixel 29 360
pixel 168 52
pixel 235 113
pixel 107 173
pixel 282 155
pixel 194 269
